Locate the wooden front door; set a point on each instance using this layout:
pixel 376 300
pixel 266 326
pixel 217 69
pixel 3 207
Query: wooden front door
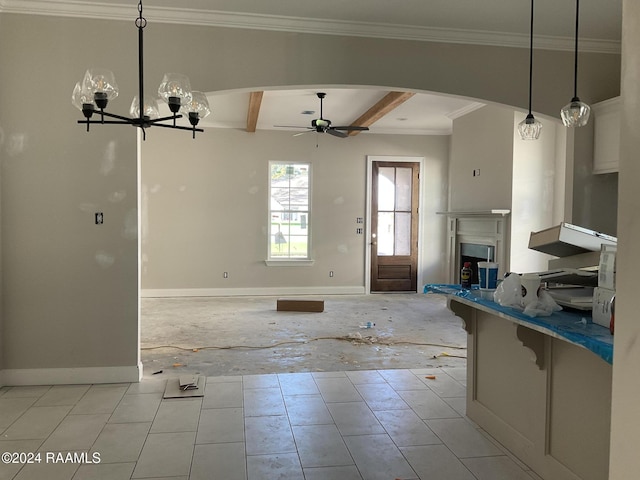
pixel 394 226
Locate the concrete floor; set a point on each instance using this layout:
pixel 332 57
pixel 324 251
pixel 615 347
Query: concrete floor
pixel 216 336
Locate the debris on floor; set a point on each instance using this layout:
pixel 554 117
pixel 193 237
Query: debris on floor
pixel 185 386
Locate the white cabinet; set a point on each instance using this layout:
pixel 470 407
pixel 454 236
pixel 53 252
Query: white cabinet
pixel 606 135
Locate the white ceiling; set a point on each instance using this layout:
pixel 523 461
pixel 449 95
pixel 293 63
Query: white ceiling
pixel 491 22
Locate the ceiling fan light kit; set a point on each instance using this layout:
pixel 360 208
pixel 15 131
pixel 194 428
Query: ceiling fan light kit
pixel 98 87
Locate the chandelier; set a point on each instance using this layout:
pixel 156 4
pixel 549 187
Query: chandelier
pixel 98 87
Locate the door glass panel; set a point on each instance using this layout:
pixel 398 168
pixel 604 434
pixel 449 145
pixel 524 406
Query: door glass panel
pixel 385 233
pixel 386 188
pixel 403 189
pixel 403 233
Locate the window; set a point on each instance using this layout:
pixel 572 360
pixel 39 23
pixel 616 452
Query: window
pixel 289 209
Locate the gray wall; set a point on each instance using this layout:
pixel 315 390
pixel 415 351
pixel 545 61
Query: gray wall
pixel 625 417
pixel 204 209
pixel 69 288
pixel 481 140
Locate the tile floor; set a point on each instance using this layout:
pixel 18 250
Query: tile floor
pixel 354 425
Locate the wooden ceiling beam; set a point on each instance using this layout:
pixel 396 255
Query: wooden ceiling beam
pixel 389 102
pixel 255 100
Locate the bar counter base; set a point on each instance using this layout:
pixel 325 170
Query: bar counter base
pixel 544 398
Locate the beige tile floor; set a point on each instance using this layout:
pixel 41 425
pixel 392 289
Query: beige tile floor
pixel 353 425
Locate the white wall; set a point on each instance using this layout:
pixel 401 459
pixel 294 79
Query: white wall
pixel 537 195
pixel 204 210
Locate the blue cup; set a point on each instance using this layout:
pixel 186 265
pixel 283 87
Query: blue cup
pixel 488 275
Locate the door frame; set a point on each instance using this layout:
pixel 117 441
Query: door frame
pixel 368 232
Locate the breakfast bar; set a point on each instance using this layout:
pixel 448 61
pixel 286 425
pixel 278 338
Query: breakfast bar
pixel 539 385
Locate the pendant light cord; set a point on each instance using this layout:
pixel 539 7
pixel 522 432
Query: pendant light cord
pixel 575 66
pixel 531 58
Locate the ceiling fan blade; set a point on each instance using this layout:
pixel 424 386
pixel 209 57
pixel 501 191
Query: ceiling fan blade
pixel 352 128
pixel 336 133
pixel 288 126
pixel 302 133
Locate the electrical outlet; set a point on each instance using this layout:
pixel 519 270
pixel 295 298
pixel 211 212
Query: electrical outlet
pixel 331 273
pixel 225 275
pixel 99 218
pixel 476 172
pixel 359 231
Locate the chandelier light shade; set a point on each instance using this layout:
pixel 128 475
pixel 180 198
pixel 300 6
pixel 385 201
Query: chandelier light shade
pixel 98 87
pixel 530 128
pixel 575 113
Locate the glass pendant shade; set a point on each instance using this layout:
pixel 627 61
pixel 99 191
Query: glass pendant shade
pixel 101 82
pixel 82 99
pixel 150 111
pixel 575 113
pixel 529 128
pixel 197 106
pixel 175 89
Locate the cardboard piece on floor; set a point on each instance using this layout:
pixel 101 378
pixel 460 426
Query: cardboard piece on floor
pixel 186 386
pixel 300 305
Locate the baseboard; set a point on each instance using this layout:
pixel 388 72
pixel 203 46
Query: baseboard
pixel 233 292
pixel 70 376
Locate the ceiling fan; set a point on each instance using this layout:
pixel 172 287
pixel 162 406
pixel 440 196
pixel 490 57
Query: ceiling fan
pixel 323 125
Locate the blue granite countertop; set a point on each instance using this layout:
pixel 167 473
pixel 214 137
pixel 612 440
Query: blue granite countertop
pixel 572 326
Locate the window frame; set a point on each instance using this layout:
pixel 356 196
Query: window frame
pixel 289 260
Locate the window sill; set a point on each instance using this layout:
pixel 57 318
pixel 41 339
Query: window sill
pixel 289 263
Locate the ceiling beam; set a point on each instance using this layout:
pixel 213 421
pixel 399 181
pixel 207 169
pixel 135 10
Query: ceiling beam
pixel 255 100
pixel 389 102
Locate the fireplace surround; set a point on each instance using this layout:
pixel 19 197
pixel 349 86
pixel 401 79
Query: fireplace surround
pixel 477 236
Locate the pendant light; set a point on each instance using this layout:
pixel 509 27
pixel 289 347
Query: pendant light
pixel 575 113
pixel 530 128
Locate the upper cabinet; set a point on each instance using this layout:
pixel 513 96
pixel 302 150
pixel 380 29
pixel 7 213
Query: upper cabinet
pixel 606 136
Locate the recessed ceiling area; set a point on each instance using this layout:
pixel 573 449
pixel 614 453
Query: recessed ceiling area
pixel 282 110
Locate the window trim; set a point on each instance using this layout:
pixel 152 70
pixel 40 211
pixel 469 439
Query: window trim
pixel 272 261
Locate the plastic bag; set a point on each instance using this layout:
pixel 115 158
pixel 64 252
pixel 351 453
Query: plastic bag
pixel 509 294
pixel 509 291
pixel 544 306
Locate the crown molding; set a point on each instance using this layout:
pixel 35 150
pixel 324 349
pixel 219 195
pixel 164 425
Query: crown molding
pixel 185 16
pixel 465 110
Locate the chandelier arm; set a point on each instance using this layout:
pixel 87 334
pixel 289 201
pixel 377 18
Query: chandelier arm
pixel 120 117
pixel 110 122
pixel 178 127
pixel 162 119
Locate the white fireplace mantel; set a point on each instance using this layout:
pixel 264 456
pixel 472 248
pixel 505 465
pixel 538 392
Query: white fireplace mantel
pixel 471 213
pixel 485 227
